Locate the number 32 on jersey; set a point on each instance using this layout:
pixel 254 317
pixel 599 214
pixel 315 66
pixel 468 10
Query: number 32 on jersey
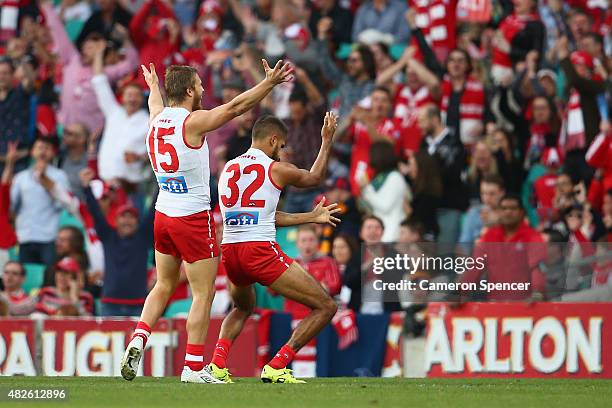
pixel 234 191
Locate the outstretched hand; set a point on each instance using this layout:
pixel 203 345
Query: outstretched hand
pixel 150 75
pixel 281 72
pixel 330 123
pixel 325 214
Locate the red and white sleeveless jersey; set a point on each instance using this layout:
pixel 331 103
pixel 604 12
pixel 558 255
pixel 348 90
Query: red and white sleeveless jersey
pixel 248 198
pixel 182 171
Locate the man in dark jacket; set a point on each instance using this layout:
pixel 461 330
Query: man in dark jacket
pixel 444 145
pixel 126 253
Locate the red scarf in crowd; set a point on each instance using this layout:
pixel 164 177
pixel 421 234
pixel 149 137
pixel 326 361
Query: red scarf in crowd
pixel 573 132
pixel 509 28
pixel 437 20
pixel 407 105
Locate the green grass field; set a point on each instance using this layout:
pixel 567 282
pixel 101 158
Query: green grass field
pixel 330 393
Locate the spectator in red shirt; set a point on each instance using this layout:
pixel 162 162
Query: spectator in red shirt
pixel 8 237
pixel 513 251
pixel 415 92
pixel 370 124
pixel 65 298
pixel 323 268
pixel 19 303
pixel 545 186
pixel 156 33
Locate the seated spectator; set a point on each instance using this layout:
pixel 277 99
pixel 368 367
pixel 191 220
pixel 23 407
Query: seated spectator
pixel 126 253
pixel 8 238
pixel 508 263
pixel 13 277
pixel 485 214
pixel 37 213
pixel 345 251
pixel 386 193
pixel 65 297
pixel 74 155
pixel 323 268
pixel 385 16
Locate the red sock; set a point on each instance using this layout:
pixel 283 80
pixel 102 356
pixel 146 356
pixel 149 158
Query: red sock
pixel 282 358
pixel 221 351
pixel 194 356
pixel 143 331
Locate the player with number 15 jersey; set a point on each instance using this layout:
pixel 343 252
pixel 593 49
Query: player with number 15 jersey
pixel 183 229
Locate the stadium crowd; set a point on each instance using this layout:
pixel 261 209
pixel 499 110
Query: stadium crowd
pixel 461 121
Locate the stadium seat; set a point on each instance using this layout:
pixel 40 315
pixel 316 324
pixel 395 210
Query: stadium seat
pixel 35 274
pixel 13 254
pixel 68 219
pixel 179 308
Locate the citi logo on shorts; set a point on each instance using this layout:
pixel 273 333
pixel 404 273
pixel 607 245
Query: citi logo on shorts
pixel 174 185
pixel 241 218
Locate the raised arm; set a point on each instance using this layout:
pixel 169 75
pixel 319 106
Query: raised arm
pixel 156 101
pixel 319 215
pixel 285 174
pixel 65 48
pixel 104 93
pixel 202 121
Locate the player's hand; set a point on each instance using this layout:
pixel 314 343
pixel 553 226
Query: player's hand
pixel 86 175
pixel 330 123
pixel 150 75
pixel 325 214
pixel 281 72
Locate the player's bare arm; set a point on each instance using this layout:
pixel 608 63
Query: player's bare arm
pixel 285 174
pixel 202 121
pixel 319 215
pixel 156 101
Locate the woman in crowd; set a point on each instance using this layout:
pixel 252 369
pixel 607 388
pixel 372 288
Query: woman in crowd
pixel 386 193
pixel 426 184
pixel 345 251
